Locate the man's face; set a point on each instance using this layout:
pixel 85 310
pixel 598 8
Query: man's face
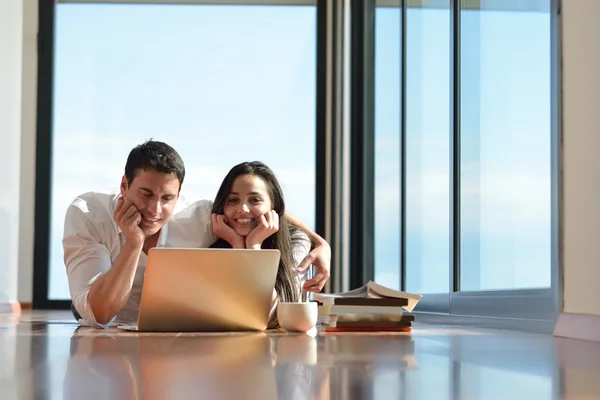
pixel 154 194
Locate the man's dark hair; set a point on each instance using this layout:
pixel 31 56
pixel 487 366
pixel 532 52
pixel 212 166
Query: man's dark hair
pixel 154 155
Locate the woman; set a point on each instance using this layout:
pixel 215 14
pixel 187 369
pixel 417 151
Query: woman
pixel 249 212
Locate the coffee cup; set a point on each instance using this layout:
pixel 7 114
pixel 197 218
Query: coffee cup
pixel 297 317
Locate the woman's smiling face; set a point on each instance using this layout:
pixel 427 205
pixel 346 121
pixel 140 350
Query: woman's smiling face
pixel 246 202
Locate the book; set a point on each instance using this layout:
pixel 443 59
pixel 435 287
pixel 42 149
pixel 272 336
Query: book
pixel 370 322
pixel 370 290
pixel 391 302
pixel 369 329
pixel 327 309
pixel 371 318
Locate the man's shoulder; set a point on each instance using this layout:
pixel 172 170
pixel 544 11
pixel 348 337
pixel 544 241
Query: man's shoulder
pixel 191 226
pixel 96 205
pixel 198 210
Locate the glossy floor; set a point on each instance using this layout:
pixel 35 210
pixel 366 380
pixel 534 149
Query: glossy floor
pixel 45 356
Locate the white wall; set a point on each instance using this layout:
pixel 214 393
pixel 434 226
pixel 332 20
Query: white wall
pixel 18 70
pixel 28 138
pixel 581 155
pixel 11 39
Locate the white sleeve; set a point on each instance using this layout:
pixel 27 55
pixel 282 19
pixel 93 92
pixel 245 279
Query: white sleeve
pixel 86 258
pixel 300 248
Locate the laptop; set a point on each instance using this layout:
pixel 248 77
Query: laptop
pixel 206 290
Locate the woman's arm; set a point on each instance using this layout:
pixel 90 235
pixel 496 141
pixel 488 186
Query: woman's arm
pixel 319 256
pixel 301 245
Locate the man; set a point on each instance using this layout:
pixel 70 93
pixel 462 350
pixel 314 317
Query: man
pixel 107 236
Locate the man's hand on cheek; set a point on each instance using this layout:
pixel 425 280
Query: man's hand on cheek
pixel 128 218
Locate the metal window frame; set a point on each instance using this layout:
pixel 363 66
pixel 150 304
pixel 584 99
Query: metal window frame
pixel 362 186
pixel 332 133
pixel 43 169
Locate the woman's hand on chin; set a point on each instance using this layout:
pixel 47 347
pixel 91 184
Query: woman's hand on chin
pixel 222 230
pixel 268 224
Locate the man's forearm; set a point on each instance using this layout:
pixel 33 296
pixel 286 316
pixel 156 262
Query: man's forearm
pixel 110 292
pixel 314 238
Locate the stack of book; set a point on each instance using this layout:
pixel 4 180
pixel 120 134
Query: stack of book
pixel 370 308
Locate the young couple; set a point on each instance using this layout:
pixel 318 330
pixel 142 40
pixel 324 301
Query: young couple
pixel 107 236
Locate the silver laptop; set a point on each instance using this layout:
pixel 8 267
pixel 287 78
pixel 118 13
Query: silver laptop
pixel 206 290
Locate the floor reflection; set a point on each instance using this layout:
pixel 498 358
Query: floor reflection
pixel 255 365
pixel 55 360
pixel 162 367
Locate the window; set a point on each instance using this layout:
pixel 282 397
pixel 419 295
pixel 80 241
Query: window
pixel 387 145
pixel 455 96
pixel 464 140
pixel 505 148
pixel 222 84
pixel 428 148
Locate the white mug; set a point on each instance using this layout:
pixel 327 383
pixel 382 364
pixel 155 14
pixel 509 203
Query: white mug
pixel 297 317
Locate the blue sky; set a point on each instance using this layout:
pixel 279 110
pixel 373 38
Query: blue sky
pixel 225 84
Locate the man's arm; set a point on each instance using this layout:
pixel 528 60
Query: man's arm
pixel 320 257
pixel 109 293
pixel 99 288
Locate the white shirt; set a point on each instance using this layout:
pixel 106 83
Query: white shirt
pixel 92 241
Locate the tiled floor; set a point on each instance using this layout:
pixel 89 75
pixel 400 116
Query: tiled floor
pixel 45 356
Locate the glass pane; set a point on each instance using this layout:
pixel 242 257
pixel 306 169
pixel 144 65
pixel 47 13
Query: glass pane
pixel 222 84
pixel 505 145
pixel 387 146
pixel 428 147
